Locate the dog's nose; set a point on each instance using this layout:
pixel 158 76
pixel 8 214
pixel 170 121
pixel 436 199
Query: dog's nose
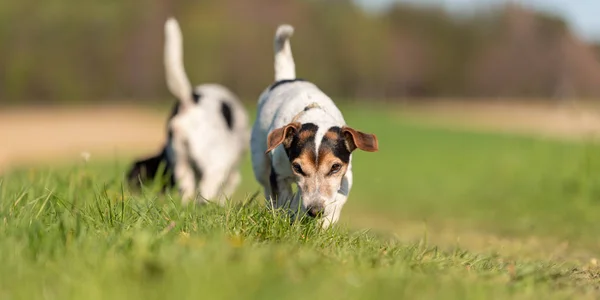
pixel 315 211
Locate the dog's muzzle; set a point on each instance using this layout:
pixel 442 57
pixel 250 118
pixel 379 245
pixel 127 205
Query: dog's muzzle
pixel 315 211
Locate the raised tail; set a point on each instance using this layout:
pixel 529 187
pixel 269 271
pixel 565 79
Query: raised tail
pixel 285 69
pixel 177 80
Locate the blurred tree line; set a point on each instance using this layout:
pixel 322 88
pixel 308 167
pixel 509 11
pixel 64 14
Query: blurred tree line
pixel 90 50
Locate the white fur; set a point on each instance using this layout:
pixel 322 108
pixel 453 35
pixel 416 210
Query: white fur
pixel 284 61
pixel 201 139
pixel 278 108
pixel 177 80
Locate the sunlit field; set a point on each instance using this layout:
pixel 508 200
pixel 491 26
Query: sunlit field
pixel 436 213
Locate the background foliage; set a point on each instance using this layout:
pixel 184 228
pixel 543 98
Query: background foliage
pixel 89 50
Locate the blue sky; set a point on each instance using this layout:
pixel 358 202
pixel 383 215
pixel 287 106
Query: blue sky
pixel 582 15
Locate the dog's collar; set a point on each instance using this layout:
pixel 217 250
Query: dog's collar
pixel 306 108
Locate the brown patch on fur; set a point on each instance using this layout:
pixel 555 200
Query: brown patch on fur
pixel 320 176
pixel 303 142
pixel 326 159
pixel 332 135
pixel 335 143
pixel 281 135
pixel 308 160
pixel 304 136
pixel 363 141
pixel 302 149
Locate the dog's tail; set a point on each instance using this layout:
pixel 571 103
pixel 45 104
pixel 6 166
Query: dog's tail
pixel 285 69
pixel 177 80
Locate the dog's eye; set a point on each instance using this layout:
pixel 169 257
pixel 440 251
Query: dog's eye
pixel 297 168
pixel 335 168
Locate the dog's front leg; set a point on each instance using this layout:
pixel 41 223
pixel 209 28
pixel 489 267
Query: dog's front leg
pixel 281 192
pixel 184 175
pixel 232 182
pixel 285 194
pixel 211 185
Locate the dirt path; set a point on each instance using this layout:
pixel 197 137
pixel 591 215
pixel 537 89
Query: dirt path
pixel 50 134
pixel 34 135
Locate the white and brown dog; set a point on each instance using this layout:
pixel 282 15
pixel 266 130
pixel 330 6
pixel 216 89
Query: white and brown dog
pixel 207 133
pixel 300 136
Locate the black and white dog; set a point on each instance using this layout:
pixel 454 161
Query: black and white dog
pixel 207 134
pixel 300 137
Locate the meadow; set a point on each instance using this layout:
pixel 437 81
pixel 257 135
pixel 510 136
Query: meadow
pixel 436 213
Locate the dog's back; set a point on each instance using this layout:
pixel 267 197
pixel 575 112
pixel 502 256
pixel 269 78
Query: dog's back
pixel 283 101
pixel 300 137
pixel 288 95
pixel 208 131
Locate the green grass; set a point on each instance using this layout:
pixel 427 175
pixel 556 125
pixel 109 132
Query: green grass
pixel 547 188
pixel 76 232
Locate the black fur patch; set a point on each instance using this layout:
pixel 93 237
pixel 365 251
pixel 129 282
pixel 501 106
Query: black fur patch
pixel 146 170
pixel 196 96
pixel 227 114
pixel 338 147
pixel 281 82
pixel 297 146
pixel 198 173
pixel 174 110
pixel 273 182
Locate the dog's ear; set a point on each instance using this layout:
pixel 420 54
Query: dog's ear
pixel 363 141
pixel 282 135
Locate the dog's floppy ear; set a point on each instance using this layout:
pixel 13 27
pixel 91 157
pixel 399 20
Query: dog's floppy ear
pixel 363 141
pixel 281 135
